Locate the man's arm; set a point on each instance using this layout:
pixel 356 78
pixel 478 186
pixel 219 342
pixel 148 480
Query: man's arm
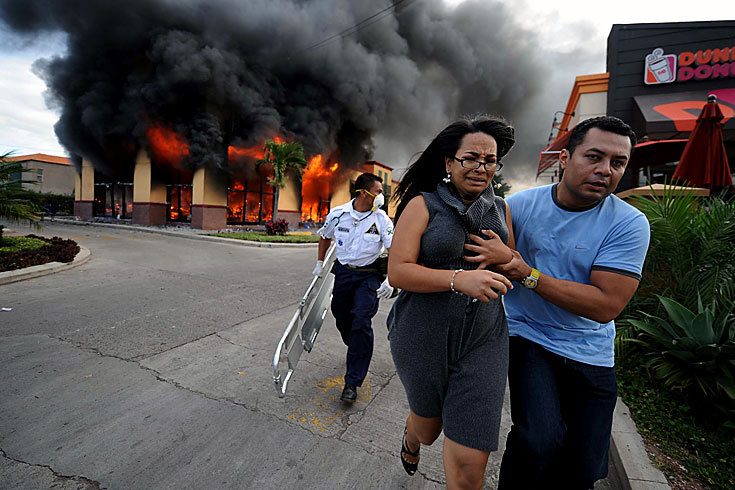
pixel 324 244
pixel 602 300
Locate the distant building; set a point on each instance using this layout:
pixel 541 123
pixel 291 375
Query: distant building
pixel 52 174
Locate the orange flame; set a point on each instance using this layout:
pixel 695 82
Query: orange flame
pixel 167 146
pixel 238 153
pixel 255 152
pixel 317 183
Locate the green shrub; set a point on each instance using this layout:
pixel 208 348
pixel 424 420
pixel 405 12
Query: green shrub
pixel 691 253
pixel 57 250
pixel 692 443
pixel 691 351
pixel 18 243
pixel 61 204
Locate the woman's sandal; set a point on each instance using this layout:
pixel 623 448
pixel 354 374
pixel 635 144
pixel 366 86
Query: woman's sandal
pixel 409 467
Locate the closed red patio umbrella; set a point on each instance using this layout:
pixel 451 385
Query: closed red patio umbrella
pixel 704 161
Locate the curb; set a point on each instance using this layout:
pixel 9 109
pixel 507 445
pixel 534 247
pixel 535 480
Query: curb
pixel 189 235
pixel 629 455
pixel 45 269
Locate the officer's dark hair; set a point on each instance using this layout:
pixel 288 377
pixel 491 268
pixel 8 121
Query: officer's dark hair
pixel 426 172
pixel 365 181
pixel 610 124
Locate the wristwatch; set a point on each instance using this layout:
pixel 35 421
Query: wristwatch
pixel 531 281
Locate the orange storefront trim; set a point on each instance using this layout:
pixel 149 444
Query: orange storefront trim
pixel 584 84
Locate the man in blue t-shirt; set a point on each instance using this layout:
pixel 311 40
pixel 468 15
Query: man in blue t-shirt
pixel 579 255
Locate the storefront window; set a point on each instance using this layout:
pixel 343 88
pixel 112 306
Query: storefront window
pixel 249 202
pixel 178 199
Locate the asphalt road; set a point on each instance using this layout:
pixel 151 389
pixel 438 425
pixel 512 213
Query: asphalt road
pixel 150 367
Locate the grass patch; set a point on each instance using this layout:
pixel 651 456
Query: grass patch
pixel 259 236
pixel 690 449
pixel 20 243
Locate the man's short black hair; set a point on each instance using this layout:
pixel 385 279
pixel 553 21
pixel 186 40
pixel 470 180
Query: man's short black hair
pixel 604 123
pixel 365 181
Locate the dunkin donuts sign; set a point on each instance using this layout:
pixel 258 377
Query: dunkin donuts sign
pixel 701 65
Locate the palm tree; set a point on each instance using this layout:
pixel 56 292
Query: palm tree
pixel 11 208
pixel 280 157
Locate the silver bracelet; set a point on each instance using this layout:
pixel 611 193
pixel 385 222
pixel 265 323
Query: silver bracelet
pixel 451 283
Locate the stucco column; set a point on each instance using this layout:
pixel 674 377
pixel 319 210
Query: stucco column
pixel 209 199
pixel 84 191
pixel 289 201
pixel 149 195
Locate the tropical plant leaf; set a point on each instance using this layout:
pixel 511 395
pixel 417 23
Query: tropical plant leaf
pixel 13 209
pixel 686 343
pixel 660 335
pixel 710 351
pixel 684 355
pixel 679 314
pixel 701 327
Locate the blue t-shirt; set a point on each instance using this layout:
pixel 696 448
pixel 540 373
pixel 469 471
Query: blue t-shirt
pixel 569 244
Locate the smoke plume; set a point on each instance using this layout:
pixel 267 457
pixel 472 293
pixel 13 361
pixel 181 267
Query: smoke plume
pixel 328 73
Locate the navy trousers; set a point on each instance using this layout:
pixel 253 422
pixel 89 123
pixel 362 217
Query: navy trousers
pixel 562 416
pixel 354 304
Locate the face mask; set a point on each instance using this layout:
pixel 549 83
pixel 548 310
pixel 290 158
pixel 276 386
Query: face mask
pixel 378 201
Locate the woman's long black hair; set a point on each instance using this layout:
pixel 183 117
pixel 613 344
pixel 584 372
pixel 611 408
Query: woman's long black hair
pixel 426 172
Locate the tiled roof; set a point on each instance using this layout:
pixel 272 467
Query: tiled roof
pixel 41 157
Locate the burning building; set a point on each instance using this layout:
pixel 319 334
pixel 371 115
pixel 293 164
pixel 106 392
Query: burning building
pixel 166 191
pixel 164 106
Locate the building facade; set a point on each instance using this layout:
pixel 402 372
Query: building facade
pixel 658 79
pixel 154 194
pixel 49 174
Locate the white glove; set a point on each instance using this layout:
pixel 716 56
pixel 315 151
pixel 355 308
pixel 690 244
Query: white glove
pixel 385 290
pixel 318 268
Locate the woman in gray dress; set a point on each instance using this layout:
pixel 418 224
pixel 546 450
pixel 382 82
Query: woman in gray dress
pixel 447 328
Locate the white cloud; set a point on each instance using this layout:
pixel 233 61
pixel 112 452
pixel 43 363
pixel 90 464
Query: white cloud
pixel 26 124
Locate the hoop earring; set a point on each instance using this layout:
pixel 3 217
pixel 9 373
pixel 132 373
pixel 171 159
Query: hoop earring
pixel 447 179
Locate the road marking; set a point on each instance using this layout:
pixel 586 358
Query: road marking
pixel 108 237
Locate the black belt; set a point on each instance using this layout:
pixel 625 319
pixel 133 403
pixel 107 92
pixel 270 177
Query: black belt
pixel 362 268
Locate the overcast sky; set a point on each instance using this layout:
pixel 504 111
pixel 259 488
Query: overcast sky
pixel 26 124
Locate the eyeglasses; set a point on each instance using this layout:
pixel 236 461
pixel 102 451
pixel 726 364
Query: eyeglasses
pixel 368 192
pixel 474 164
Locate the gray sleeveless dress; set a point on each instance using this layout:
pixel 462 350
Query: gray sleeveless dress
pixel 451 354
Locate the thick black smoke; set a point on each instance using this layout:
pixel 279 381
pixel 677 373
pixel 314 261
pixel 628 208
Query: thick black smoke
pixel 234 72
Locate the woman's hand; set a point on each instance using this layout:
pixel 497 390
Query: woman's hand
pixel 481 284
pixel 489 252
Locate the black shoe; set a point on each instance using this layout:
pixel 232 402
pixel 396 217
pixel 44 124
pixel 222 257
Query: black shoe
pixel 349 394
pixel 409 467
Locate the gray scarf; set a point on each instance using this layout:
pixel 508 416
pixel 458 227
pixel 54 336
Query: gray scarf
pixel 480 215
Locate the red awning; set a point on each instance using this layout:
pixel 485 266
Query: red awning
pixel 673 114
pixel 550 155
pixel 656 153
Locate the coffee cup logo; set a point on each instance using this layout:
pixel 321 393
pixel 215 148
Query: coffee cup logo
pixel 660 68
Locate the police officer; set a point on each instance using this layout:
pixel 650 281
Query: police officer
pixel 361 230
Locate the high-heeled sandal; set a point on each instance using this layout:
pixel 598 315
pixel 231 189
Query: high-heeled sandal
pixel 409 467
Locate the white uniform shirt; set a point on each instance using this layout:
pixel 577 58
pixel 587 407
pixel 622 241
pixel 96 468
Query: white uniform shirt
pixel 360 237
